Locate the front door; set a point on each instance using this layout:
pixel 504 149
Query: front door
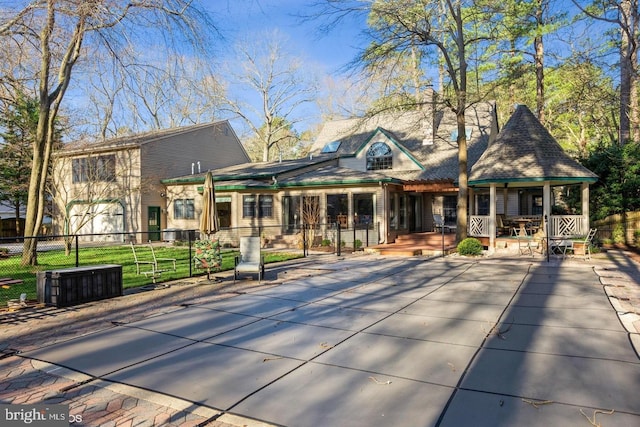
pixel 153 223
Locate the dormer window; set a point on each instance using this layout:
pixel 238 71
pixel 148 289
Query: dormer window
pixel 379 156
pixel 467 132
pixel 331 147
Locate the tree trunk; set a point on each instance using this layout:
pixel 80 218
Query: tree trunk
pixel 539 64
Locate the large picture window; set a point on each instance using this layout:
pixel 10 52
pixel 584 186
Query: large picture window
pixel 183 209
pixel 379 156
pixel 93 169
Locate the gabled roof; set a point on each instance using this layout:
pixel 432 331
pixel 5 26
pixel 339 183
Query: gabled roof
pixel 524 151
pixel 438 157
pixel 132 141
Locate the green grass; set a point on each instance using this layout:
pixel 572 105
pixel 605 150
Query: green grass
pixel 56 259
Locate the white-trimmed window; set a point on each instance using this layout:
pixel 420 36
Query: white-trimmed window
pixel 184 209
pixel 379 156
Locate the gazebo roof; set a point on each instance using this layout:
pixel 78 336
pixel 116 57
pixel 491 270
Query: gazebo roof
pixel 525 153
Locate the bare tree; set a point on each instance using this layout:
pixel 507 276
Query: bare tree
pixel 52 37
pixel 278 84
pixel 446 29
pixel 624 14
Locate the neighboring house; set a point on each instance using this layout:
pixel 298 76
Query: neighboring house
pixel 8 224
pixel 114 186
pixel 388 174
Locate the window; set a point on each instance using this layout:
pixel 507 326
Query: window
pixel 379 156
pixel 257 206
pixel 331 147
pixel 363 209
pixel 483 204
pixel 265 206
pixel 94 169
pixel 248 206
pixel 183 209
pixel 454 134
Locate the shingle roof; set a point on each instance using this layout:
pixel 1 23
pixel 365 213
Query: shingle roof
pixel 524 151
pixel 409 129
pixel 134 140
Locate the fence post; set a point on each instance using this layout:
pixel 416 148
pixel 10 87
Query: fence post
pixel 190 244
pixel 338 240
pixel 77 251
pixel 304 240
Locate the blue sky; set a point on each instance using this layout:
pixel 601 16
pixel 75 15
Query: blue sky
pixel 245 17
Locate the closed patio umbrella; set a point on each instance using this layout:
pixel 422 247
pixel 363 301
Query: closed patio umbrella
pixel 209 219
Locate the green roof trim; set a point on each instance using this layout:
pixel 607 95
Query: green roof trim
pixel 538 179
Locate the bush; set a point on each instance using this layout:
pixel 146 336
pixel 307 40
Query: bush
pixel 325 242
pixel 618 234
pixel 636 237
pixel 357 244
pixel 470 246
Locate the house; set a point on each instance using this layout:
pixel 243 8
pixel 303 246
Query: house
pixel 114 186
pixel 385 175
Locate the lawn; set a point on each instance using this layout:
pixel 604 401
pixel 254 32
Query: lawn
pixel 56 259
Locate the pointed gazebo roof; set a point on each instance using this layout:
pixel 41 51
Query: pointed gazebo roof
pixel 524 152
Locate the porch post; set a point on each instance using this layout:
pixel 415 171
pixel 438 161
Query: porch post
pixel 546 206
pixel 472 201
pixel 492 218
pixel 585 207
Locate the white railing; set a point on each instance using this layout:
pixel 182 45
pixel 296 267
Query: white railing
pixel 478 226
pixel 567 225
pixel 559 225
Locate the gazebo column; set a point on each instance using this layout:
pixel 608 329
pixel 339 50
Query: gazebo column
pixel 546 208
pixel 492 218
pixel 585 207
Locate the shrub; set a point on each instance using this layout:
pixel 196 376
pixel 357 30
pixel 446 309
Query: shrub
pixel 470 246
pixel 636 236
pixel 618 234
pixel 357 244
pixel 325 242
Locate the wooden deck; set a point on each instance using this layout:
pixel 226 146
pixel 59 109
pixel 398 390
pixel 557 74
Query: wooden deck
pixel 418 244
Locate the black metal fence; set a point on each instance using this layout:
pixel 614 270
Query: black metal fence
pixel 68 251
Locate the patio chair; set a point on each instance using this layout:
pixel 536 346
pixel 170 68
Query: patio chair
pixel 501 226
pixel 586 243
pixel 139 262
pixel 207 256
pixel 157 260
pixel 250 259
pixel 525 243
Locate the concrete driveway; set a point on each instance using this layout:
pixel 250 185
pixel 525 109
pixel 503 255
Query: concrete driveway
pixel 386 341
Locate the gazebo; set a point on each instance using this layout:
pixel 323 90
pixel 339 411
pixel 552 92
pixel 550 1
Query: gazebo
pixel 520 177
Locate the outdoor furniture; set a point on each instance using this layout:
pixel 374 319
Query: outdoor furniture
pixel 154 270
pixel 586 244
pixel 522 224
pixel 526 244
pixel 158 260
pixel 250 259
pixel 139 262
pixel 207 255
pixel 501 226
pixel 559 245
pixel 438 223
